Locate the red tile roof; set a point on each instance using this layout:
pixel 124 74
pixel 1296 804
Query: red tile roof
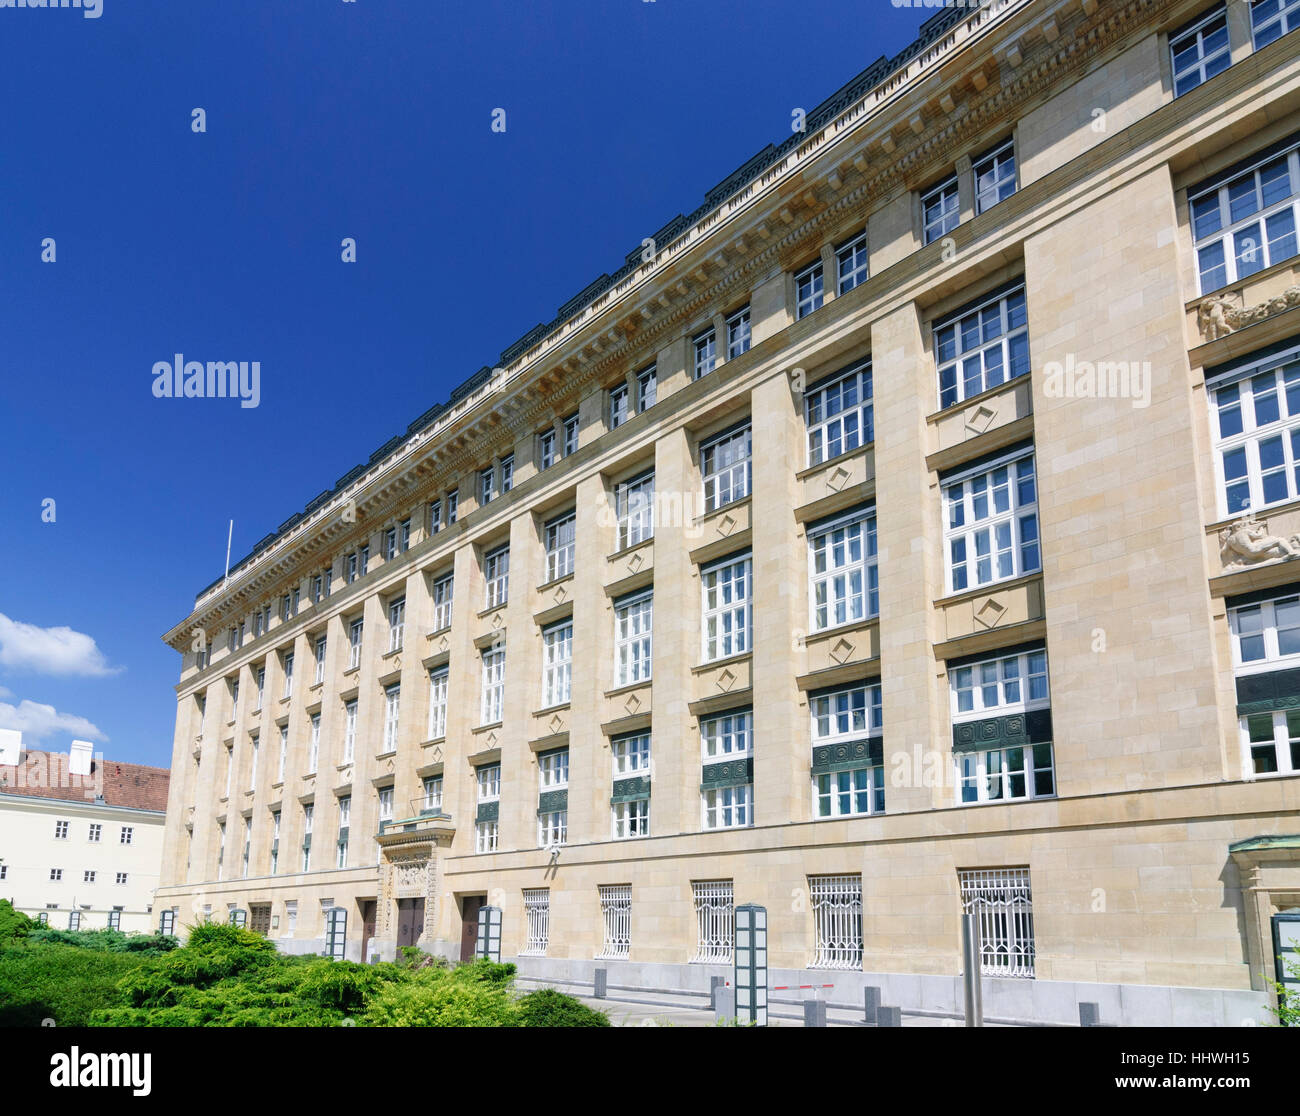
pixel 45 775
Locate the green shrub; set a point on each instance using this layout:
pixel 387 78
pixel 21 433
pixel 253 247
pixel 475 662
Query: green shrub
pixel 481 971
pixel 105 941
pixel 1288 1006
pixel 437 999
pixel 13 924
pixel 548 1008
pixel 44 980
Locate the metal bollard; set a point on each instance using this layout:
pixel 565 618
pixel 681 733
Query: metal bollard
pixel 724 1002
pixel 601 977
pixel 871 1004
pixel 1089 1015
pixel 814 1013
pixel 889 1017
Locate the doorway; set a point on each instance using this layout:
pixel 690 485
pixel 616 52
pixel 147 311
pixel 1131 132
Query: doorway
pixel 1286 954
pixel 410 921
pixel 469 908
pixel 259 918
pixel 368 907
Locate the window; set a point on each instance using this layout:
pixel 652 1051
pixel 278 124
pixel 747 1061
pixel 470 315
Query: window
pixel 291 915
pixel 252 767
pixel 616 914
pixel 851 264
pixel 634 503
pixel 313 751
pixel 843 578
pixel 453 505
pixel 392 706
pixel 230 768
pixel 320 660
pixel 728 736
pixel 96 831
pixel 435 516
pixel 725 463
pixel 127 834
pixel 1271 19
pixel 43 918
pixel 617 406
pixel 308 812
pixel 1245 222
pixel 56 874
pixel 350 568
pixel 706 353
pixel 1200 50
pixel 494 685
pixel 1266 633
pixel 355 630
pixel 1271 743
pixel 315 591
pixel 631 818
pixel 546 449
pixel 728 807
pixel 234 699
pixel 738 333
pixel 88 876
pixel 496 572
pixel 487 479
pixel 715 921
pixel 992 524
pixel 647 389
pixel 259 623
pixel 350 731
pixel 848 714
pixel 438 703
pixel 167 922
pixel 288 674
pixel 995 176
pixel 486 834
pixel 230 639
pixel 121 878
pixel 1258 442
pixel 433 792
pixel 631 754
pixel 557 663
pixel 261 685
pixel 837 921
pixel 390 544
pixel 60 831
pixel 74 920
pixel 404 534
pixel 396 623
pixel 1001 898
pixel 507 473
pixel 115 919
pixel 978 349
pixel 561 537
pixel 363 560
pixel 552 828
pixel 726 588
pixel 838 414
pixel 489 790
pixel 808 290
pixel 248 844
pixel 442 602
pixel 939 210
pixel 553 769
pixel 385 804
pixel 537 918
pixel 275 842
pixel 633 635
pixel 570 435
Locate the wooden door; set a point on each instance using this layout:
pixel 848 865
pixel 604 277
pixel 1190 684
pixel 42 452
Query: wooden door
pixel 259 918
pixel 410 921
pixel 368 907
pixel 469 908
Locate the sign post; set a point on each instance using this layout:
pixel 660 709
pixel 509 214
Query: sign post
pixel 489 933
pixel 751 964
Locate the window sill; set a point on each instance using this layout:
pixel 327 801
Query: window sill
pixel 712 664
pixel 546 586
pixel 626 687
pixel 987 588
pixel 484 612
pixel 351 671
pixel 619 554
pixel 437 632
pixel 813 470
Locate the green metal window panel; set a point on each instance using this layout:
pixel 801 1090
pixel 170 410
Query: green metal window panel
pixel 729 773
pixel 549 802
pixel 1017 730
pixel 1266 693
pixel 631 790
pixel 488 811
pixel 849 756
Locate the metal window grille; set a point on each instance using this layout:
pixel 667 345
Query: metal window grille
pixel 537 914
pixel 616 913
pixel 715 920
pixel 837 918
pixel 1002 899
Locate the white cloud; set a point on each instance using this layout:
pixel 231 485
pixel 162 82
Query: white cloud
pixel 5 693
pixel 49 650
pixel 36 721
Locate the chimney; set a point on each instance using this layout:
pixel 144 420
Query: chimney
pixel 11 747
pixel 80 756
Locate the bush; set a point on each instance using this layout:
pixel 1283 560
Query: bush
pixel 14 925
pixel 439 998
pixel 548 1008
pixel 44 980
pixel 106 941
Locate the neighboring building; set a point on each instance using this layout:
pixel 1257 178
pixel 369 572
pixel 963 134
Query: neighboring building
pixel 81 839
pixel 806 563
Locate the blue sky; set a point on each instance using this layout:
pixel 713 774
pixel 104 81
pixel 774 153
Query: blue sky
pixel 325 119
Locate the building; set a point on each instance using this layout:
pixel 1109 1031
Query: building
pixel 888 538
pixel 81 838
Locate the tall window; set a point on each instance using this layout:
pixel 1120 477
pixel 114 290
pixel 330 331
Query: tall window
pixel 1200 50
pixel 507 473
pixel 350 568
pixel 631 754
pixel 488 778
pixel 727 611
pixel 60 831
pixel 618 402
pixel 843 578
pixel 739 335
pixel 546 456
pixel 850 714
pixel 1001 899
pixel 404 535
pixel 438 703
pixel 1258 436
pixel 288 674
pixel 728 807
pixel 442 602
pixel 384 797
pixel 284 754
pixel 537 920
pixel 1245 220
pixel 252 767
pixel 561 538
pixel 808 290
pixel 726 465
pixel 261 685
pixel 390 544
pixel 706 353
pixel 308 812
pixel 350 731
pixel 396 623
pixel 570 435
pixel 355 630
pixel 313 753
pixel 363 560
pixel 453 505
pixel 345 823
pixel 320 660
pixel 727 736
pixel 435 517
pixel 433 792
pixel 616 915
pixel 486 831
pixel 715 921
pixel 980 348
pixel 634 503
pixel 557 663
pixel 992 523
pixel 553 770
pixel 851 264
pixel 1271 19
pixel 275 842
pixel 487 482
pixel 995 176
pixel 552 828
pixel 496 573
pixel 837 921
pixel 633 634
pixel 1271 743
pixel 939 210
pixel 647 389
pixel 838 414
pixel 392 710
pixel 494 685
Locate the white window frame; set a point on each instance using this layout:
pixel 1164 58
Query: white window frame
pixel 313 752
pixel 851 264
pixel 619 403
pixel 1284 741
pixel 557 664
pixel 705 347
pixel 432 787
pixel 727 807
pixel 740 334
pixel 940 210
pixel 492 707
pixel 634 505
pixel 994 172
pixel 487 485
pixel 439 678
pixel 546 455
pixel 1265 632
pixel 487 781
pixel 1199 61
pixel 999 685
pixel 837 921
pixel 809 289
pixel 631 753
pixel 396 623
pixel 443 589
pixel 630 820
pixel 727 736
pixel 496 576
pixel 552 829
pixel 553 770
pixel 435 516
pixel 560 537
pixel 356 633
pixel 507 473
pixel 487 834
pixel 721 635
pixel 839 414
pixel 633 638
pixel 392 715
pixel 977 490
pixel 537 921
pixel 1002 899
pixel 616 921
pixel 349 731
pixel 726 464
pixel 647 388
pixel 843 587
pixel 571 428
pixel 288 674
pixel 321 645
pixel 1249 401
pixel 1286 19
pixel 982 346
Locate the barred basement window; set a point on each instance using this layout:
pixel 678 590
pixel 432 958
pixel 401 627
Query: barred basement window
pixel 537 918
pixel 808 286
pixel 633 637
pixel 727 616
pixel 726 465
pixel 496 572
pixel 738 333
pixel 1271 19
pixel 616 914
pixel 1258 443
pixel 992 523
pixel 1200 50
pixel 631 819
pixel 995 176
pixel 438 703
pixel 939 210
pixel 1001 898
pixel 837 921
pixel 980 347
pixel 442 589
pixel 561 537
pixel 715 921
pixel 843 577
pixel 851 263
pixel 634 504
pixel 838 414
pixel 706 353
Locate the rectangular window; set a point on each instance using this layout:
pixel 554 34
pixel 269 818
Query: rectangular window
pixel 647 389
pixel 404 535
pixel 350 568
pixel 345 821
pixel 261 685
pixel 991 531
pixel 994 687
pixel 121 878
pixel 60 831
pixel 843 580
pixel 981 348
pixel 838 413
pixel 1200 50
pixel 1266 633
pixel 507 473
pixel 115 919
pixel 634 503
pixel 313 747
pixel 546 449
pixel 552 829
pixel 96 831
pixel 850 713
pixel 631 754
pixel 494 685
pixel 88 876
pixel 435 517
pixel 1001 898
pixel 557 663
pixel 127 835
pixel 837 921
pixel 438 703
pixel 727 607
pixel 56 874
pixel 485 836
pixel 488 778
pixel 561 539
pixel 1248 222
pixel 252 769
pixel 74 920
pixel 350 731
pixel 433 792
pixel 1258 438
pixel 808 287
pixel 1271 19
pixel 496 573
pixel 616 915
pixel 618 402
pixel 453 505
pixel 385 797
pixel 630 819
pixel 846 715
pixel 939 210
pixel 288 674
pixel 355 630
pixel 728 807
pixel 706 353
pixel 320 660
pixel 363 560
pixel 275 842
pixel 570 435
pixel 442 602
pixel 1271 743
pixel 396 623
pixel 727 468
pixel 851 263
pixel 727 736
pixel 553 769
pixel 738 333
pixel 715 921
pixel 392 709
pixel 487 481
pixel 307 811
pixel 537 920
pixel 995 176
pixel 390 544
pixel 633 635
